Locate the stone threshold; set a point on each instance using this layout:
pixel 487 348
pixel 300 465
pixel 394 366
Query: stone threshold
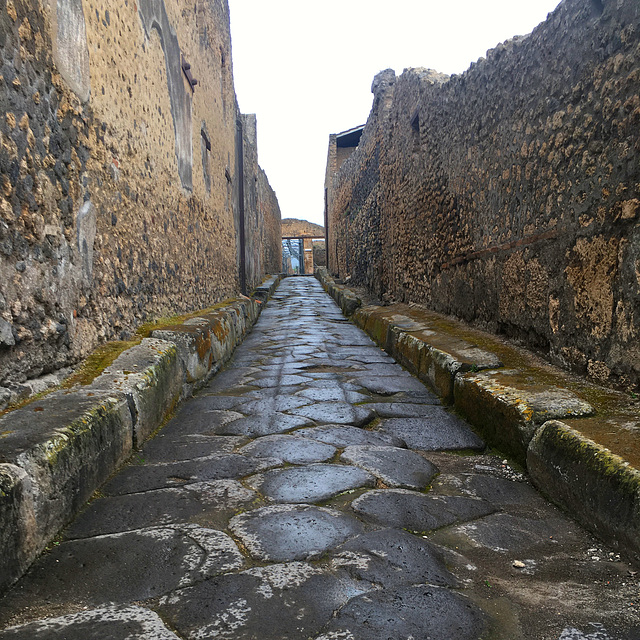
pixel 57 450
pixel 580 443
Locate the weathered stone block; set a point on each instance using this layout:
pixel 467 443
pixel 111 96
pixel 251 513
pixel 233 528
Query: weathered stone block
pixel 150 376
pixel 54 454
pixel 508 410
pixel 597 487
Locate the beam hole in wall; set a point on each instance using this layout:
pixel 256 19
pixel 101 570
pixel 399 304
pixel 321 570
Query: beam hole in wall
pixel 205 146
pixel 415 130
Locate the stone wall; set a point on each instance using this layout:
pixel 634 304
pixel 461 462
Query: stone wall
pixel 120 194
pixel 509 196
pixel 294 228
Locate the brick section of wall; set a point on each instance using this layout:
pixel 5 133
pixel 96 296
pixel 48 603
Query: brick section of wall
pixel 509 196
pixel 112 208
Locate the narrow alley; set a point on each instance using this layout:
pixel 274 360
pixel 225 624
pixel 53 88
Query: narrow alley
pixel 316 490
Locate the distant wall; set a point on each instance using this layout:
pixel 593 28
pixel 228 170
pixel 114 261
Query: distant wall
pixel 509 196
pixel 120 195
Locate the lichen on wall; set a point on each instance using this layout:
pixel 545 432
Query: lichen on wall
pixel 509 204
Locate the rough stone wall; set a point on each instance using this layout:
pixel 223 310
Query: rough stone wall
pixel 509 196
pixel 272 237
pixel 112 207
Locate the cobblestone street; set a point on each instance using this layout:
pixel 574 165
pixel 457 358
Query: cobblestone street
pixel 316 490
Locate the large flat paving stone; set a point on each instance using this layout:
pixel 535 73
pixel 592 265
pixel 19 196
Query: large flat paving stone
pixel 291 449
pixel 333 394
pixel 418 512
pixel 311 483
pixel 396 467
pixel 390 557
pixel 404 409
pixel 284 402
pixel 123 567
pixel 440 432
pixel 418 612
pixel 263 425
pixel 138 478
pixel 194 420
pixel 167 448
pixel 282 533
pixel 337 413
pixel 209 504
pixel 294 600
pixel 505 533
pixel 343 436
pixel 390 385
pixel 114 623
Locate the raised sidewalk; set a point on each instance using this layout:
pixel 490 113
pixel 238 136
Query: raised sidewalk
pixel 579 443
pixel 57 450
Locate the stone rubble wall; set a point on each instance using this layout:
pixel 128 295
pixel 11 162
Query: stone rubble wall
pixel 113 210
pixel 509 196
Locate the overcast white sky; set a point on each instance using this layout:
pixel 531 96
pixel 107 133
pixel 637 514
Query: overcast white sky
pixel 305 68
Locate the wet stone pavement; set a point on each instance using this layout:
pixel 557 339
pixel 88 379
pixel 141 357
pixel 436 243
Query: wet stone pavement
pixel 315 490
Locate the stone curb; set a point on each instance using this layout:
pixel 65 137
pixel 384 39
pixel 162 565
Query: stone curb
pixel 56 451
pixel 597 487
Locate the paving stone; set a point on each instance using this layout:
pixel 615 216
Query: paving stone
pixel 407 612
pixel 198 420
pixel 395 467
pixel 505 533
pixel 294 600
pixel 114 623
pixel 344 435
pixel 337 413
pixel 280 381
pixel 209 504
pixel 389 557
pixel 502 492
pixel 282 533
pixel 311 483
pixel 272 405
pixel 124 567
pixel 291 449
pixel 135 479
pixel 167 448
pixel 404 409
pixel 389 385
pixel 264 425
pixel 418 512
pixel 440 432
pixel 334 394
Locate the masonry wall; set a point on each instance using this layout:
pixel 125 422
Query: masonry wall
pixel 509 196
pixel 112 208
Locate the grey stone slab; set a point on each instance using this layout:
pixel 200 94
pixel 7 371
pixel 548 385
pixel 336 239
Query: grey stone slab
pixel 311 483
pixel 406 409
pixel 332 384
pixel 502 492
pixel 209 504
pixel 389 385
pixel 440 432
pixel 394 466
pixel 417 511
pixel 337 413
pixel 505 533
pixel 282 533
pixel 264 425
pixel 113 623
pixel 408 612
pixel 291 449
pixel 271 405
pixel 344 435
pixel 123 567
pixel 197 418
pixel 333 394
pixel 165 448
pixel 280 381
pixel 390 557
pixel 293 600
pixel 135 479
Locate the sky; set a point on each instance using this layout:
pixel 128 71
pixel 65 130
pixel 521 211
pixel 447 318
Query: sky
pixel 305 69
